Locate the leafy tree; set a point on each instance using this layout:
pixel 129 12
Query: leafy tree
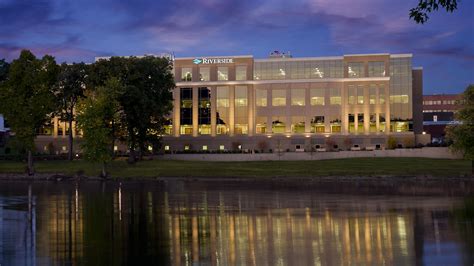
pixel 462 135
pixel 420 13
pixel 4 66
pixel 27 98
pixel 95 117
pixel 69 90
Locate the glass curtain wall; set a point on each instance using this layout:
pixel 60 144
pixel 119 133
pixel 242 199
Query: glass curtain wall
pixel 241 110
pixel 204 111
pixel 400 94
pixel 317 124
pixel 222 116
pixel 186 111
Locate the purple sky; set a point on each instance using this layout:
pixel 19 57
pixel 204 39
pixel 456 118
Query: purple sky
pixel 79 30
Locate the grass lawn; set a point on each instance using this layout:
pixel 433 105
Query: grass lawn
pixel 338 167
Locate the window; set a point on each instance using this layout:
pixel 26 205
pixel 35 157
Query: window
pixel 355 69
pixel 221 147
pixel 351 123
pixel 335 96
pixel 381 95
pixel 376 69
pixel 373 123
pixel 261 97
pixel 167 148
pixel 241 73
pixel 335 123
pixel 222 116
pixel 317 124
pixel 241 111
pixel 186 74
pixel 360 125
pixel 398 98
pixel 317 96
pixel 360 95
pixel 435 118
pixel 222 73
pixel 204 74
pixel 381 122
pixel 297 124
pixel 261 124
pixel 278 97
pixel 372 94
pixel 298 97
pixel 278 124
pixel 204 111
pixel 204 147
pixel 351 91
pixel 168 126
pixel 186 111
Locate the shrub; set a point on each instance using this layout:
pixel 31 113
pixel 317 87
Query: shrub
pixel 391 142
pixel 408 142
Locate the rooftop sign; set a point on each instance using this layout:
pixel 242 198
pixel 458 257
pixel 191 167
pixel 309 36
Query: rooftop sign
pixel 204 61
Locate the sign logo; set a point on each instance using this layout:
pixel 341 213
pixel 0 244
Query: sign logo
pixel 204 60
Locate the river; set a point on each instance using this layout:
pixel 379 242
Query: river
pixel 193 222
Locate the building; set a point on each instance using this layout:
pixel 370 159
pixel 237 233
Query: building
pixel 286 103
pixel 438 112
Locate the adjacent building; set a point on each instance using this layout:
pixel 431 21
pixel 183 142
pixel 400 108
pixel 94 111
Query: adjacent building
pixel 438 112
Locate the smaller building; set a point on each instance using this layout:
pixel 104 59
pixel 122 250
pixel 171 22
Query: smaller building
pixel 438 112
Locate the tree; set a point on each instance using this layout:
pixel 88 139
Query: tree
pixel 4 66
pixel 420 13
pixel 69 90
pixel 462 135
pixel 27 98
pixel 95 117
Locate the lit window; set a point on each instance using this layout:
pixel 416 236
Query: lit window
pixel 221 147
pixel 335 96
pixel 222 73
pixel 204 147
pixel 317 96
pixel 186 147
pixel 167 148
pixel 298 97
pixel 115 148
pixel 278 97
pixel 186 74
pixel 150 148
pixel 376 69
pixel 204 74
pixel 261 97
pixel 355 69
pixel 241 73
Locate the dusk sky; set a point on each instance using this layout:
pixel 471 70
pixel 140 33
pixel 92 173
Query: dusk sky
pixel 79 30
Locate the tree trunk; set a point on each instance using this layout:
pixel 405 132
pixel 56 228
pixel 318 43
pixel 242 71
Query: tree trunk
pixel 103 173
pixel 31 169
pixel 71 140
pixel 131 156
pixel 113 139
pixel 472 168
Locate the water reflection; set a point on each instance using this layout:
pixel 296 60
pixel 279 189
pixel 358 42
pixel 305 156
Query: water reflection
pixel 191 223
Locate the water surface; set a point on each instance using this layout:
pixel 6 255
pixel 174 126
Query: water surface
pixel 235 223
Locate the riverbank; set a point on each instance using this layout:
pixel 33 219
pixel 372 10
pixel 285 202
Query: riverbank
pixel 153 169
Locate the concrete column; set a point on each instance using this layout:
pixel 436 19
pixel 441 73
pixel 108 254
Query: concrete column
pixel 387 109
pixel 251 109
pixel 176 111
pixel 63 125
pixel 195 111
pixel 270 107
pixel 288 109
pixel 356 122
pixel 55 125
pixel 73 129
pixel 366 110
pixel 327 111
pixel 344 113
pixel 377 110
pixel 231 110
pixel 213 111
pixel 308 114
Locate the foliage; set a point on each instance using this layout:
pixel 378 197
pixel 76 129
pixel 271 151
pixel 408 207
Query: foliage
pixel 26 96
pixel 408 142
pixel 95 117
pixel 69 89
pixel 462 135
pixel 347 142
pixel 330 142
pixel 420 13
pixel 146 99
pixel 4 67
pixel 392 142
pixel 262 145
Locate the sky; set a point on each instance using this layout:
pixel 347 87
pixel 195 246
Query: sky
pixel 79 30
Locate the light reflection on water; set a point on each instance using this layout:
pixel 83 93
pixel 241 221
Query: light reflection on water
pixel 191 223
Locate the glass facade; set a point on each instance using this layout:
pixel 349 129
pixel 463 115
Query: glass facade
pixel 204 74
pixel 278 97
pixel 317 124
pixel 297 124
pixel 278 124
pixel 376 69
pixel 360 94
pixel 241 73
pixel 298 69
pixel 241 110
pixel 222 73
pixel 222 116
pixel 298 97
pixel 261 97
pixel 335 96
pixel 186 74
pixel 317 96
pixel 186 111
pixel 355 69
pixel 204 111
pixel 261 124
pixel 400 94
